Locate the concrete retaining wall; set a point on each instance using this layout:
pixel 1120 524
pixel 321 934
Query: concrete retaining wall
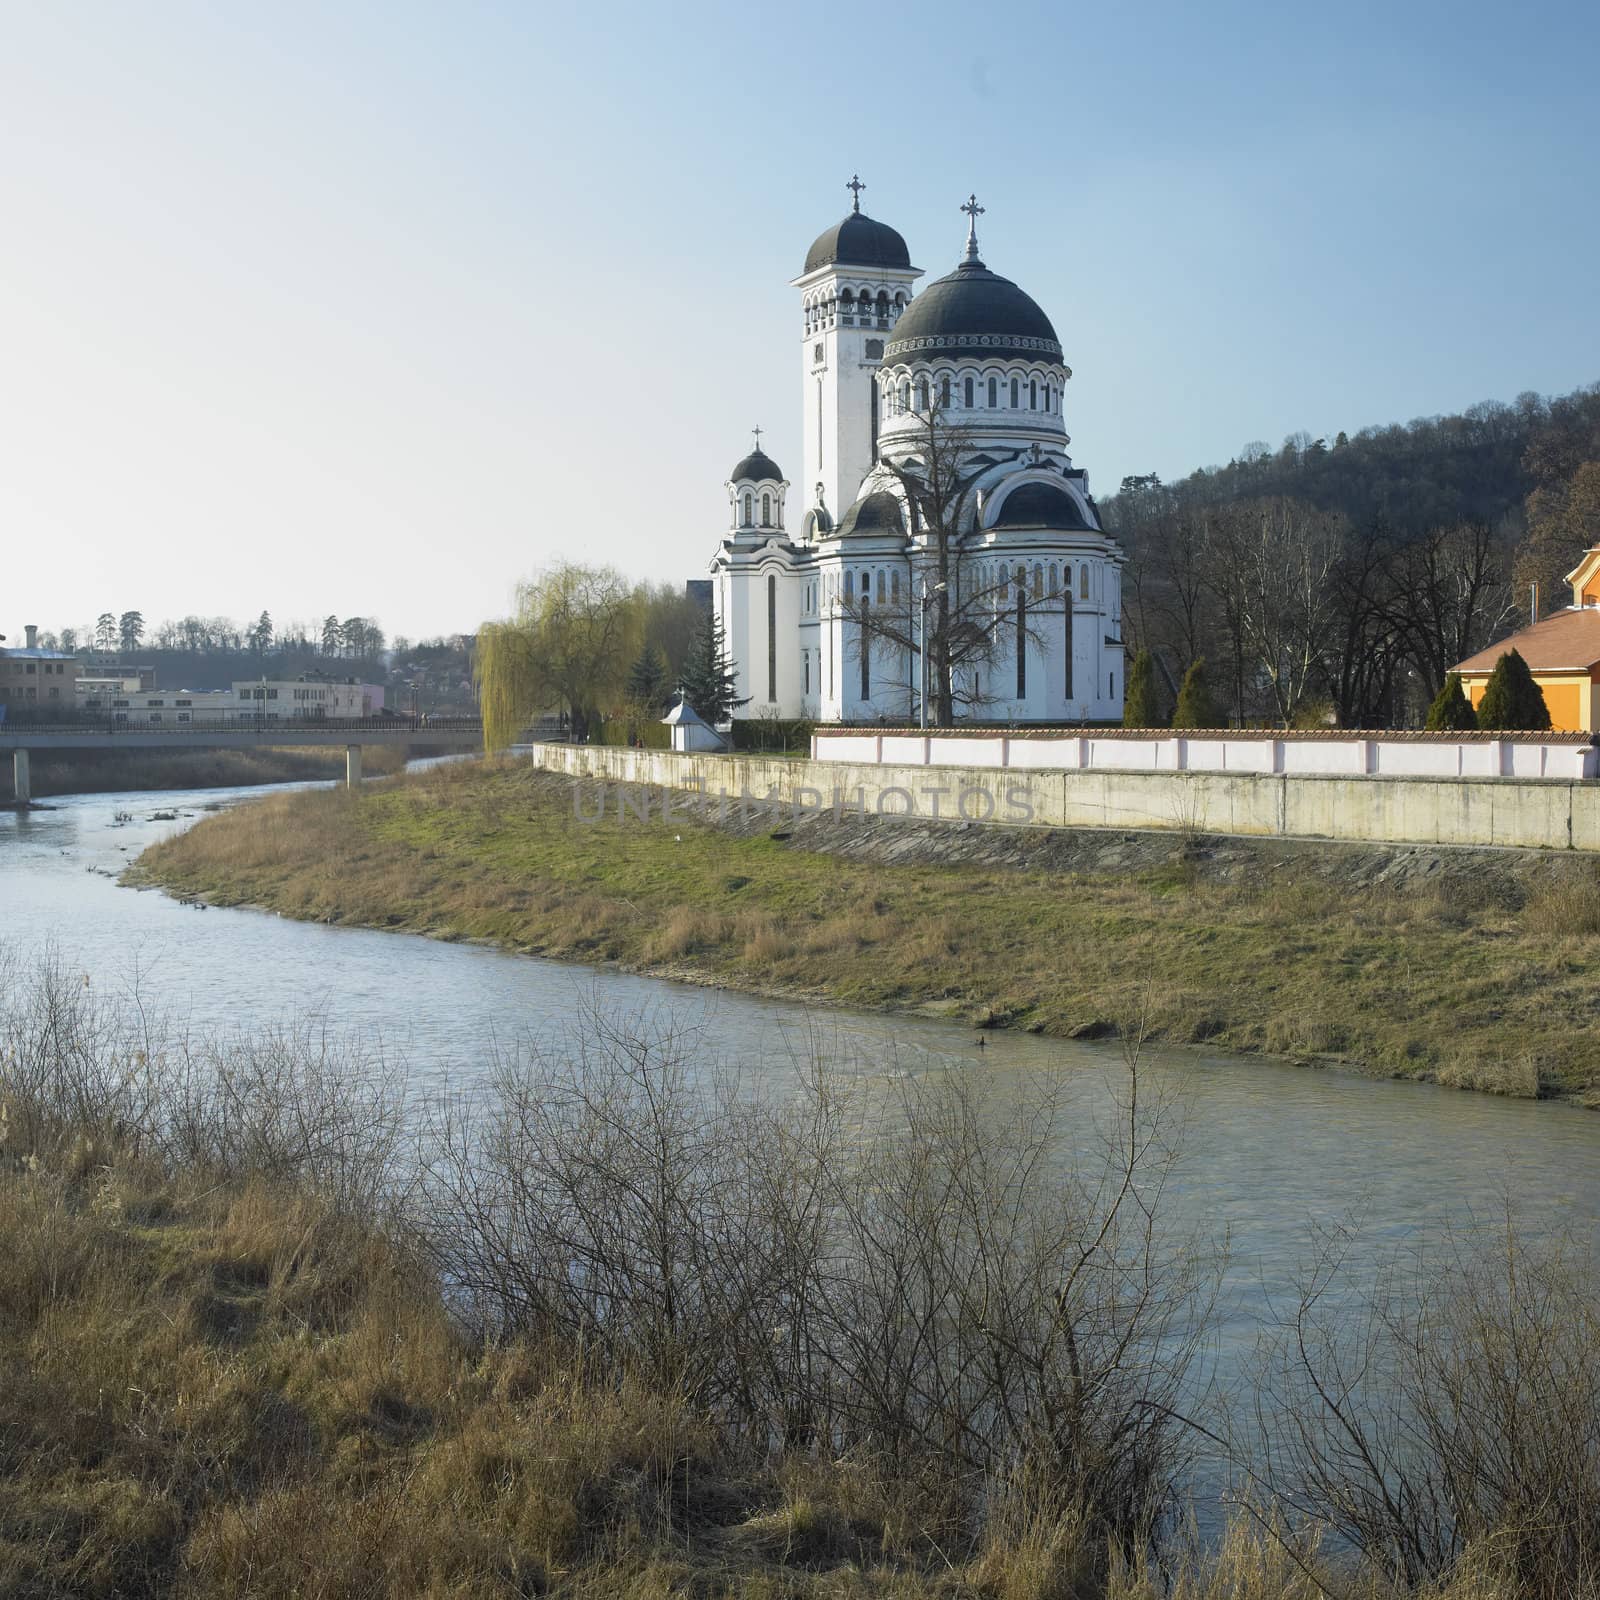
pixel 1534 812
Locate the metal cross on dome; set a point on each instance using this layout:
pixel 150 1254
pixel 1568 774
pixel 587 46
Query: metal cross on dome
pixel 855 186
pixel 973 211
pixel 758 432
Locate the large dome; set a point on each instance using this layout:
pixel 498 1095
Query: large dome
pixel 973 312
pixel 858 241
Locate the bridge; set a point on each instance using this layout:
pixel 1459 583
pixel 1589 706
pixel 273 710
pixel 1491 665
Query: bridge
pixel 441 735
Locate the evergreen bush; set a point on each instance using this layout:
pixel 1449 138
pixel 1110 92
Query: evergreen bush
pixel 1512 702
pixel 1451 711
pixel 1141 708
pixel 1196 708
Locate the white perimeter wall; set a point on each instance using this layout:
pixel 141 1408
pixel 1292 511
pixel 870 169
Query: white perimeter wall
pixel 1400 756
pixel 1547 812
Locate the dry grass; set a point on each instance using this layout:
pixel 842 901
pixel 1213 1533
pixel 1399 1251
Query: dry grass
pixel 250 1398
pixel 229 1367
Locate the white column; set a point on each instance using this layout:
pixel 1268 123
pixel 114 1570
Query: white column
pixel 352 765
pixel 21 781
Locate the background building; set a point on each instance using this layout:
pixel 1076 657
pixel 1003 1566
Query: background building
pixel 35 680
pixel 1562 652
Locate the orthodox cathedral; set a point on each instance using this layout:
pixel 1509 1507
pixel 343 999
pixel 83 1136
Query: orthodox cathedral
pixel 940 487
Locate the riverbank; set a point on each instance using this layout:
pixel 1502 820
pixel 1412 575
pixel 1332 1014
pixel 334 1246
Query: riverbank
pixel 232 1367
pixel 119 771
pixel 1475 970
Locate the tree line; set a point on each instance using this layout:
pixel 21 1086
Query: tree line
pixel 355 638
pixel 1341 583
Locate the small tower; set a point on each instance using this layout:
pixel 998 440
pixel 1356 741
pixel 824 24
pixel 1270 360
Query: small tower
pixel 856 281
pixel 756 596
pixel 756 488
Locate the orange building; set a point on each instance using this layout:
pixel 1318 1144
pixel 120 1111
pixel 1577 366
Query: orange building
pixel 1562 652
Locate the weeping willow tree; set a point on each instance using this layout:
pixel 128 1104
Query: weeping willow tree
pixel 568 648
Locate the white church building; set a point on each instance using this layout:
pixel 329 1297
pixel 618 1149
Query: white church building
pixel 934 443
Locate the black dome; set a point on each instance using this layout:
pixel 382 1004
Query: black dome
pixel 1042 505
pixel 974 312
pixel 858 241
pixel 758 465
pixel 873 513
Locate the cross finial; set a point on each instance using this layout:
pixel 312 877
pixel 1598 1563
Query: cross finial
pixel 973 211
pixel 758 432
pixel 855 186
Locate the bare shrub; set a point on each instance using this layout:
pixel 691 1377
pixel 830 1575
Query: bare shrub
pixel 922 1281
pixel 1450 1432
pixel 297 1105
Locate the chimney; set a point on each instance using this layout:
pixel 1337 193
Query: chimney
pixel 32 631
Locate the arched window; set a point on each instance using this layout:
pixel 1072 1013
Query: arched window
pixel 766 510
pixel 1013 394
pixel 944 391
pixel 772 636
pixel 1053 582
pixel 880 586
pixel 1066 637
pixel 746 518
pixel 866 642
pixel 994 393
pixel 1033 394
pixel 866 585
pixel 849 587
pixel 966 393
pixel 1083 583
pixel 1022 641
pixel 922 394
pixel 1038 581
pixel 905 396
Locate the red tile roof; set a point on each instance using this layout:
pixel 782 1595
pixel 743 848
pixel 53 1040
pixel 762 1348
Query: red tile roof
pixel 1568 641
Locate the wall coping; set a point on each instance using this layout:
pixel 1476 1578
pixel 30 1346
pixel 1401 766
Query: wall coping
pixel 1318 735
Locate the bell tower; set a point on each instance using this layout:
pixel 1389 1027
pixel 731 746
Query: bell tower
pixel 856 282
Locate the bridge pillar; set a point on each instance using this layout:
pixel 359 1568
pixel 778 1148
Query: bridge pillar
pixel 21 781
pixel 352 765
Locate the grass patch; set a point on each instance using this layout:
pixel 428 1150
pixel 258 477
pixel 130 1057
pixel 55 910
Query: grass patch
pixel 1432 981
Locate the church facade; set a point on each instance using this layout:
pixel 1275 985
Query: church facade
pixel 940 505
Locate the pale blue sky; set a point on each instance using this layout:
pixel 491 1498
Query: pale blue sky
pixel 378 308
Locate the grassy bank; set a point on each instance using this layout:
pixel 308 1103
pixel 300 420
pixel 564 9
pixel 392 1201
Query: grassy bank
pixel 118 771
pixel 693 1346
pixel 1434 981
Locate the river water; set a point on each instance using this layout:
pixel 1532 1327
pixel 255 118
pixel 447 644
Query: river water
pixel 1271 1153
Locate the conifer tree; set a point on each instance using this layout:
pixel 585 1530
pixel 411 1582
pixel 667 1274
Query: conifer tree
pixel 1512 701
pixel 1196 708
pixel 649 685
pixel 1451 711
pixel 1140 707
pixel 707 682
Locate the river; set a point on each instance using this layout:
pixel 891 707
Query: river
pixel 1271 1152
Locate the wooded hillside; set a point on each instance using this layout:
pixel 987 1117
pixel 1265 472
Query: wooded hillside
pixel 1344 578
